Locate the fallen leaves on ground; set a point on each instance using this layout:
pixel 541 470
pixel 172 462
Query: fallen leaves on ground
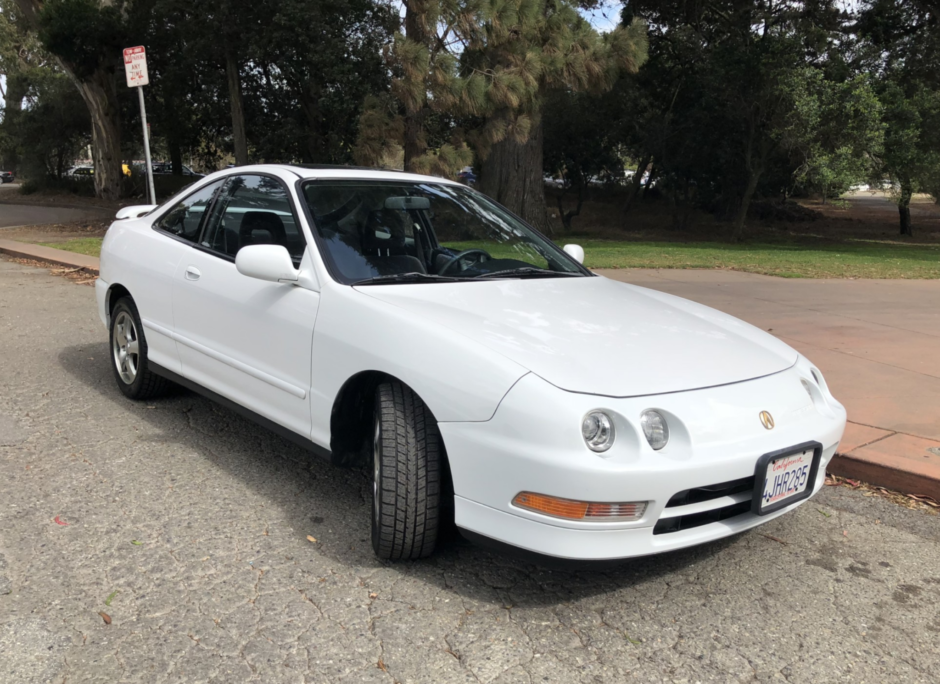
pixel 111 596
pixel 78 276
pixel 312 540
pixel 106 618
pixel 59 521
pixel 911 501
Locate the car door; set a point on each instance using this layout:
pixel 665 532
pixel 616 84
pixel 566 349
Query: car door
pixel 246 339
pixel 148 261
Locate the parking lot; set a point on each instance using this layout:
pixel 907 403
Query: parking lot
pixel 175 541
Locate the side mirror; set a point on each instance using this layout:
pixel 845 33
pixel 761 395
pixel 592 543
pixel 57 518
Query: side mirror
pixel 135 211
pixel 266 262
pixel 576 252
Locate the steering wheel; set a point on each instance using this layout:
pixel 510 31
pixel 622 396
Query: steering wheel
pixel 461 255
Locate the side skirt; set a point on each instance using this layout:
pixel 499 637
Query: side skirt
pixel 242 411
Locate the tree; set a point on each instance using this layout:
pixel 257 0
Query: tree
pixel 86 38
pixel 900 41
pixel 836 132
pixel 528 49
pixel 52 127
pixel 578 147
pixel 416 119
pixel 312 67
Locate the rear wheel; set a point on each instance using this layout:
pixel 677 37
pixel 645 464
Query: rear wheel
pixel 129 354
pixel 406 475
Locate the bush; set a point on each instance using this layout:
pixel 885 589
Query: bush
pixel 84 187
pixel 135 185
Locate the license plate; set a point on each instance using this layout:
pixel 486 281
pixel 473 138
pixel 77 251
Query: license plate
pixel 785 477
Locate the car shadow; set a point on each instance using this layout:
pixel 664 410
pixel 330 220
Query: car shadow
pixel 333 504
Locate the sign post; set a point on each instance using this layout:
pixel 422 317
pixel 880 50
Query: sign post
pixel 135 69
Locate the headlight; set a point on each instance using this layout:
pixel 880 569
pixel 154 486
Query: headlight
pixel 598 431
pixel 655 429
pixel 806 386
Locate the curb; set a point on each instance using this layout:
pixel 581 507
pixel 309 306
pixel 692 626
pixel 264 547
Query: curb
pixel 898 474
pixel 59 257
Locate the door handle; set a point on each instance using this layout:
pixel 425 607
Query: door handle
pixel 192 273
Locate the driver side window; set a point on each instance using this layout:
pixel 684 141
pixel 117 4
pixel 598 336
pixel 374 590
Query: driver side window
pixel 186 218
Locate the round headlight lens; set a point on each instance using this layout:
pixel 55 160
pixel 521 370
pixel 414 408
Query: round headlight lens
pixel 655 429
pixel 598 431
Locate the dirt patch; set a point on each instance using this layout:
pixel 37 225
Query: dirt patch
pixel 58 232
pixel 79 276
pixel 861 216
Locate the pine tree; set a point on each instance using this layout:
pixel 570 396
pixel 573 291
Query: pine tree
pixel 425 82
pixel 526 49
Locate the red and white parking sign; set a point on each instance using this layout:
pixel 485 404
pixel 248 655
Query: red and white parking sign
pixel 135 66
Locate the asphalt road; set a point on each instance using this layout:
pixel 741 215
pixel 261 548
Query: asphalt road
pixel 187 526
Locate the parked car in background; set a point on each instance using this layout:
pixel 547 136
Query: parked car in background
pixel 7 177
pixel 166 169
pixel 413 325
pixel 467 176
pixel 81 172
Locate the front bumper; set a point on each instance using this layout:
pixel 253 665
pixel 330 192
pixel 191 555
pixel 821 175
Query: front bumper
pixel 533 443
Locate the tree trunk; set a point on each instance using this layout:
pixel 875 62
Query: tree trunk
pixel 741 217
pixel 567 216
pixel 17 87
pixel 99 91
pixel 417 30
pixel 238 108
pixel 635 182
pixel 654 169
pixel 512 175
pixel 904 208
pixel 100 95
pixel 176 155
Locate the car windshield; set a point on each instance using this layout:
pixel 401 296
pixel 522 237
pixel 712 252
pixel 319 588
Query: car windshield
pixel 374 232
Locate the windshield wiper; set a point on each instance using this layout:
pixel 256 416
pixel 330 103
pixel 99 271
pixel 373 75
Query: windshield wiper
pixel 528 272
pixel 410 277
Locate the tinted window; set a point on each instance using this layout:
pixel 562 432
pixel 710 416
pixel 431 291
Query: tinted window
pixel 253 210
pixel 185 218
pixel 380 229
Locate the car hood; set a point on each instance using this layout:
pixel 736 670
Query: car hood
pixel 598 336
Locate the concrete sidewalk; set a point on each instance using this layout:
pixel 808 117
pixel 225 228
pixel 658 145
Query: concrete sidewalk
pixel 60 257
pixel 876 341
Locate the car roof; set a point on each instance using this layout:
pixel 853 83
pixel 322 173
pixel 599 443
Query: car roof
pixel 315 171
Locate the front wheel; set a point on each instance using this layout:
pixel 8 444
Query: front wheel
pixel 406 475
pixel 129 354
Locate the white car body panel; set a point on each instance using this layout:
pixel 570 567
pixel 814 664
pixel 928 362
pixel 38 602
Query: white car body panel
pixel 508 368
pixel 244 338
pixel 597 335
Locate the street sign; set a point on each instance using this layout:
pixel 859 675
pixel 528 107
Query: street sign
pixel 135 66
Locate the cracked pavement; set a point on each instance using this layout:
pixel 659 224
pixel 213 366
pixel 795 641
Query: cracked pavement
pixel 188 527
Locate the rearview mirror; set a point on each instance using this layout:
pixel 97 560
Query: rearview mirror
pixel 407 202
pixel 576 252
pixel 266 262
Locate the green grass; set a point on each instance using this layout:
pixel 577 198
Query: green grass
pixel 87 246
pixel 845 260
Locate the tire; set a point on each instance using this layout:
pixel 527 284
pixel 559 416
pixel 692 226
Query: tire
pixel 131 369
pixel 406 475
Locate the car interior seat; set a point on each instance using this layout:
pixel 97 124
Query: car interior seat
pixel 261 228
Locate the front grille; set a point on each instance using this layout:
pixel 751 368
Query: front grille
pixel 687 522
pixel 716 491
pixel 688 497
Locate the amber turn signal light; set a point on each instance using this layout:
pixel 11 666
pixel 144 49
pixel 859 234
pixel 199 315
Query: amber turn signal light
pixel 579 510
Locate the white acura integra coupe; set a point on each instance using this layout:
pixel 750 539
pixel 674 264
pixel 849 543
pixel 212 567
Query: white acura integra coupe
pixel 412 324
